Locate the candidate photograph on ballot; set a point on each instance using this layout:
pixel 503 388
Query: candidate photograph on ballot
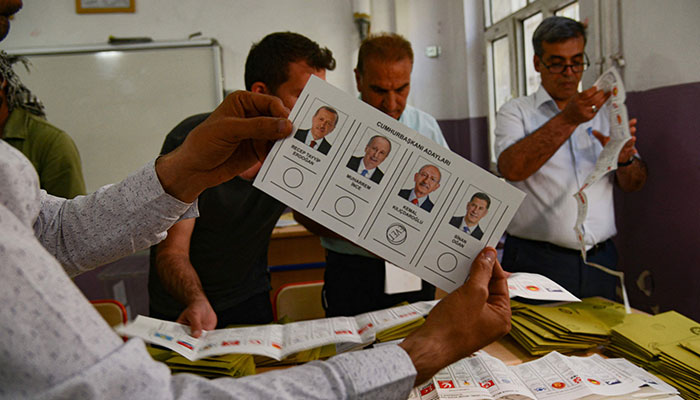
pixel 419 187
pixel 376 150
pixel 323 122
pixel 473 219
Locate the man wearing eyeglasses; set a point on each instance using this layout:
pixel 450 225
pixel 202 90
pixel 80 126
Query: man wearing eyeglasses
pixel 547 144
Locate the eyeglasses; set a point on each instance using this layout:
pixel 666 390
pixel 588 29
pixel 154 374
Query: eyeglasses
pixel 576 68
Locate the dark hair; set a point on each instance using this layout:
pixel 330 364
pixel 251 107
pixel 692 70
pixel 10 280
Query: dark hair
pixel 385 46
pixel 268 60
pixel 380 137
pixel 330 110
pixel 16 94
pixel 482 196
pixel 556 29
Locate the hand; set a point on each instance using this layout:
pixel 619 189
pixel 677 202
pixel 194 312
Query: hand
pixel 474 315
pixel 198 315
pixel 238 134
pixel 579 109
pixel 629 149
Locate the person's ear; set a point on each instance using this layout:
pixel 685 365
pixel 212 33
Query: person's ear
pixel 536 61
pixel 259 87
pixel 358 79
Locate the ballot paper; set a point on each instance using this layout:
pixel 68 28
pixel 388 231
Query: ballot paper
pixel 373 207
pixel 610 82
pixel 274 341
pixel 537 287
pixel 552 377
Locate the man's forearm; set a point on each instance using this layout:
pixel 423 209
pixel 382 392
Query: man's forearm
pixel 631 178
pixel 522 159
pixel 179 277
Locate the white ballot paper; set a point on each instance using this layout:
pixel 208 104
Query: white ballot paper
pixel 552 377
pixel 274 341
pixel 610 81
pixel 537 287
pixel 374 207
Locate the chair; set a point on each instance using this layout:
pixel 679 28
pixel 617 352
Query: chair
pixel 299 301
pixel 111 310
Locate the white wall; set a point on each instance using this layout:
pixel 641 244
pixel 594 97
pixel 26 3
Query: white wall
pixel 439 85
pixel 661 42
pixel 236 24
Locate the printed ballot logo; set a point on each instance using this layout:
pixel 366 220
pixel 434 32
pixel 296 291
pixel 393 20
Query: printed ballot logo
pixel 532 288
pixel 396 234
pixel 182 343
pixel 162 336
pixel 559 385
pixel 593 381
pixel 427 389
pixel 486 384
pixel 446 384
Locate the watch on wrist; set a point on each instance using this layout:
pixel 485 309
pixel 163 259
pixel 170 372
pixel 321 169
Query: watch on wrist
pixel 628 162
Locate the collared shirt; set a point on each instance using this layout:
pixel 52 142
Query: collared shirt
pixel 310 138
pixel 362 167
pixel 549 210
pixel 427 126
pixel 412 197
pixel 55 345
pixel 469 230
pixel 52 152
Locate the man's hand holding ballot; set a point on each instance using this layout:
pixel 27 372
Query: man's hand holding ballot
pixel 235 137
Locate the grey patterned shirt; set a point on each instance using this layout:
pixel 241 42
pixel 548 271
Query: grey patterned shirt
pixel 54 345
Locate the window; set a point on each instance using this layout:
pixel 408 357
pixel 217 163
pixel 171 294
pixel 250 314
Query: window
pixel 510 25
pixel 500 9
pixel 532 77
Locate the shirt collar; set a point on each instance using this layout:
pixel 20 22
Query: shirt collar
pixel 16 126
pixel 542 97
pixel 363 166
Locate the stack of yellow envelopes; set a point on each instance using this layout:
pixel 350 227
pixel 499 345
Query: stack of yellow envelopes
pixel 565 328
pixel 666 344
pixel 231 365
pixel 399 331
pixel 316 353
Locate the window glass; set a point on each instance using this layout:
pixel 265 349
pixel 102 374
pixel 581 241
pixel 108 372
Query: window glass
pixel 487 13
pixel 532 77
pixel 501 71
pixel 570 11
pixel 503 8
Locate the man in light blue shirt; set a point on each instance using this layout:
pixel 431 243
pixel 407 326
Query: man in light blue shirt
pixel 546 146
pixel 354 278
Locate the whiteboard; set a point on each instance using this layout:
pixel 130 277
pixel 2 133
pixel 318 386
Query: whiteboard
pixel 119 102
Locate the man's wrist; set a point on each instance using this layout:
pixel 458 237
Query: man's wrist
pixel 628 162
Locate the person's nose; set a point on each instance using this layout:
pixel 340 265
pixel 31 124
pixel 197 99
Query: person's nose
pixel 568 70
pixel 390 101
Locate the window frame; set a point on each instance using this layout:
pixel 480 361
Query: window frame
pixel 512 26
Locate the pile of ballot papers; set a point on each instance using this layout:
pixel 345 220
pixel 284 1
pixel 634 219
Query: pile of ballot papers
pixel 552 377
pixel 231 365
pixel 666 344
pixel 565 328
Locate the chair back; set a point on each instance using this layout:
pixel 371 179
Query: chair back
pixel 111 310
pixel 299 301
